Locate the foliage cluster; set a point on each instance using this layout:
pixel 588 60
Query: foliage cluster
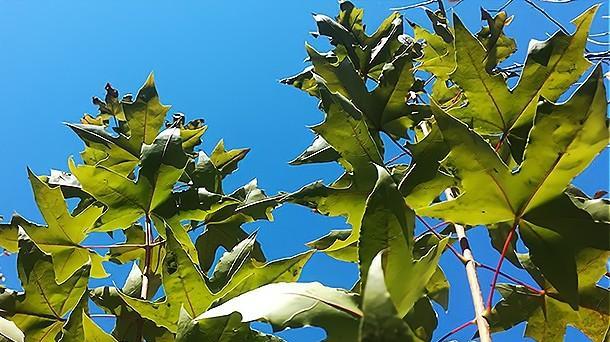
pixel 478 154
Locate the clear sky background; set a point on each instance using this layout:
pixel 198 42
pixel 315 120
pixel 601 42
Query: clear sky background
pixel 219 60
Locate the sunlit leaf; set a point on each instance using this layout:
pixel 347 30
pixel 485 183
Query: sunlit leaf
pixel 143 117
pixel 39 311
pixel 64 233
pixel 295 305
pixel 563 142
pixel 182 284
pixel 219 329
pixel 549 315
pixel 162 165
pixel 381 321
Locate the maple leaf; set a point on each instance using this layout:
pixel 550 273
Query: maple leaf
pixel 564 140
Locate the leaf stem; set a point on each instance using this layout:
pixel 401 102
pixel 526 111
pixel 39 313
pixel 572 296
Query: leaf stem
pixel 457 329
pixel 420 4
pixel 511 278
pixel 102 316
pixel 135 245
pixel 501 141
pixel 548 16
pixel 440 237
pixel 400 146
pixel 395 158
pixel 507 241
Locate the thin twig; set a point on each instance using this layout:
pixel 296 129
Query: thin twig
pixel 102 316
pixel 593 56
pixel 456 4
pixel 502 7
pixel 597 42
pixel 456 330
pixel 135 245
pixel 428 80
pixel 400 146
pixel 420 4
pixel 602 34
pixel 548 16
pixel 395 158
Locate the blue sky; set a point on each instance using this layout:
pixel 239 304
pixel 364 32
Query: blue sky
pixel 220 61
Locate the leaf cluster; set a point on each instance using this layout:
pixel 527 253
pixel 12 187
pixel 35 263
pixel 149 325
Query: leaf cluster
pixel 508 154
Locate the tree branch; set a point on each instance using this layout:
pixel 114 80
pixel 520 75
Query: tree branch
pixel 473 279
pixel 147 258
pixel 471 270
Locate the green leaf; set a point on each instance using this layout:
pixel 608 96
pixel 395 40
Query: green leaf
pixel 162 165
pixel 390 110
pixel 498 46
pixel 191 134
pixel 238 271
pixel 130 326
pixel 254 203
pixel 598 208
pixel 230 262
pixel 487 94
pixel 143 119
pixel 209 171
pixel 551 67
pixel 385 108
pixel 227 235
pixel 303 81
pixel 349 253
pixel 64 233
pixel 563 142
pixel 346 131
pixel 422 319
pixel 80 327
pixel 196 204
pixel 347 34
pixel 424 182
pixel 223 224
pixel 437 288
pixel 498 233
pixel 388 224
pixel 254 274
pixel 179 233
pixel 381 321
pixel 226 161
pixel 39 312
pixel 182 284
pixel 548 315
pixel 9 233
pixel 296 305
pixel 438 56
pixel 219 329
pixel 319 152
